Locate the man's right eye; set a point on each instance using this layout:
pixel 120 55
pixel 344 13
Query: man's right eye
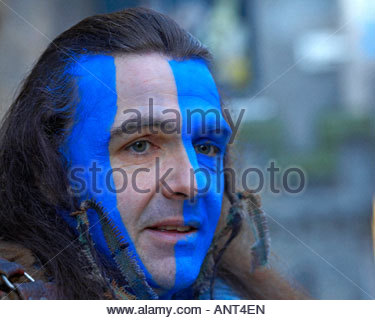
pixel 207 149
pixel 140 146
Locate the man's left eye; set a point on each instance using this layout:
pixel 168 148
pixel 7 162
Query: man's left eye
pixel 140 146
pixel 207 149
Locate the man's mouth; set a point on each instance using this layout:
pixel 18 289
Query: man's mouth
pixel 183 229
pixel 171 231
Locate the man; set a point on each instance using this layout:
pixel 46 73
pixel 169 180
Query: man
pixel 113 181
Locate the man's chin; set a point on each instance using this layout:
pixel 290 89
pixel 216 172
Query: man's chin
pixel 163 276
pixel 167 287
pixel 171 268
pixel 161 273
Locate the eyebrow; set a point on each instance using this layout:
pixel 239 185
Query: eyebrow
pixel 135 124
pixel 221 127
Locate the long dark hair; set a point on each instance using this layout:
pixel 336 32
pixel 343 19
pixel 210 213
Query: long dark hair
pixel 33 179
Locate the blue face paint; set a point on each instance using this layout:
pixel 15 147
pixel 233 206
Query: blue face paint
pixel 86 149
pixel 197 91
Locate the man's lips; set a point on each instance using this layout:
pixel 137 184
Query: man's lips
pixel 172 225
pixel 174 228
pixel 170 230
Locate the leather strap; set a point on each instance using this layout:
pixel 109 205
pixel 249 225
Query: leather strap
pixel 12 286
pixel 37 290
pixel 10 269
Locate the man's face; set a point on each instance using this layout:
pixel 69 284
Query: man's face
pixel 151 159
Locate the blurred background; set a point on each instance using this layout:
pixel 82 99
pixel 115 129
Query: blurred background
pixel 305 73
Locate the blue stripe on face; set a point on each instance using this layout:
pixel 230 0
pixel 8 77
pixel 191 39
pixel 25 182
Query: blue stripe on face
pixel 197 92
pixel 87 145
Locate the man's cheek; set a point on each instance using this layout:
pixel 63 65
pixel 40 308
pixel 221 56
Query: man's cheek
pixel 213 203
pixel 133 189
pixel 136 180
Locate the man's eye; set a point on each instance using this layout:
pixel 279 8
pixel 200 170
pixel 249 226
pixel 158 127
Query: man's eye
pixel 207 149
pixel 140 146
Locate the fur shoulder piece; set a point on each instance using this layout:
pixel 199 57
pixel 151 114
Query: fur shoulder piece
pixel 21 275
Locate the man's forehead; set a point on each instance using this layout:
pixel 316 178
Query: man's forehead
pixel 143 77
pixel 140 78
pixel 193 79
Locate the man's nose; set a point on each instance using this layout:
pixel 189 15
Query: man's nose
pixel 180 183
